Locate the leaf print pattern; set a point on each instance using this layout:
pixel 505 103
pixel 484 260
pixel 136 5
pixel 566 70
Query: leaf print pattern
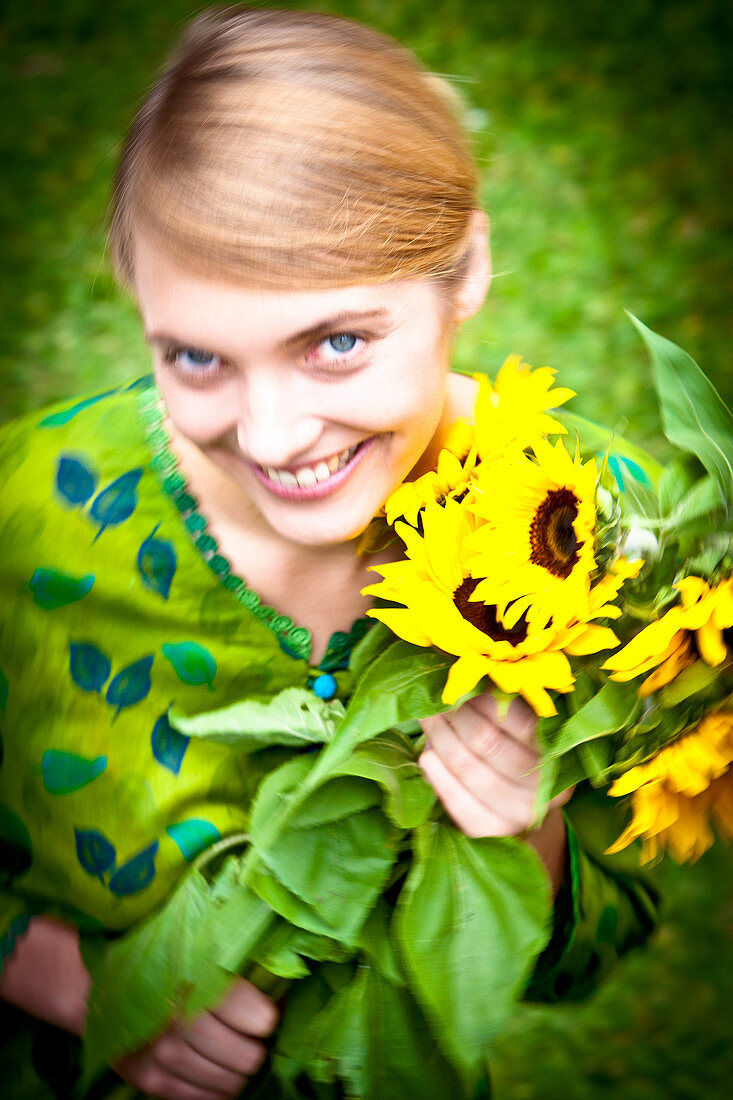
pixel 58 419
pixel 117 502
pixel 131 685
pixel 192 662
pixel 136 874
pixel 75 482
pixel 156 563
pixel 193 836
pixel 168 745
pixel 95 853
pixel 64 772
pixel 52 589
pixel 90 667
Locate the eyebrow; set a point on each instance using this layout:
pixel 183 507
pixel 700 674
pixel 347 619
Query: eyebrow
pixel 339 322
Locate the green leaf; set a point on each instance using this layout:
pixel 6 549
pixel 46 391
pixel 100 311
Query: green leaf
pixel 404 682
pixel 699 501
pixel 288 905
pixel 607 712
pixel 294 717
pixel 390 761
pixel 471 919
pixel 283 950
pixel 178 963
pixel 335 853
pixel 677 478
pixel 378 638
pixel 373 1035
pixel 376 942
pixel 595 758
pixel 694 416
pixel 712 553
pixel 141 979
pixel 697 678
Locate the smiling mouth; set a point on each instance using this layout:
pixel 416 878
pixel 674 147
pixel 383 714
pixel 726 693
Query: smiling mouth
pixel 316 480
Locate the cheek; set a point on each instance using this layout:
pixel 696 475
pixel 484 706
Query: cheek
pixel 203 416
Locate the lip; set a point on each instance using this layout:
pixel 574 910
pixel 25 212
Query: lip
pixel 321 488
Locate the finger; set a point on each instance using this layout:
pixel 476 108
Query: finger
pixel 509 798
pixel 561 799
pixel 248 1010
pixel 520 721
pixel 470 813
pixel 172 1052
pixel 489 741
pixel 223 1045
pixel 141 1071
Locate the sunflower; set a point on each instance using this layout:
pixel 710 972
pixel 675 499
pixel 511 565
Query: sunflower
pixel 435 585
pixel 675 794
pixel 512 414
pixel 456 462
pixel 696 626
pixel 536 550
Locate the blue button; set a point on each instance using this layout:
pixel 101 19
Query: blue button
pixel 325 686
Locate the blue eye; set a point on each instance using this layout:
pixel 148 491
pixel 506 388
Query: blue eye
pixel 192 361
pixel 194 357
pixel 342 341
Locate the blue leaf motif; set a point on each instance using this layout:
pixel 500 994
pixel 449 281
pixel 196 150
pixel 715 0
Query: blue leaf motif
pixel 64 772
pixel 156 562
pixel 131 685
pixel 136 874
pixel 52 589
pixel 169 746
pixel 617 463
pixel 193 836
pixel 89 667
pixel 58 419
pixel 193 662
pixel 75 482
pixel 95 853
pixel 142 383
pixel 117 502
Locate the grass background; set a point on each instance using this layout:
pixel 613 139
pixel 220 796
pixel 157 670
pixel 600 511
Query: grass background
pixel 602 131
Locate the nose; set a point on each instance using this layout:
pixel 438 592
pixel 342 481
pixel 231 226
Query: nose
pixel 275 423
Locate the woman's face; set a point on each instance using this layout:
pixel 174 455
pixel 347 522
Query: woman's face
pixel 315 403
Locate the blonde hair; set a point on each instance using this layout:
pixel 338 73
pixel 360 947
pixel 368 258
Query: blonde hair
pixel 287 149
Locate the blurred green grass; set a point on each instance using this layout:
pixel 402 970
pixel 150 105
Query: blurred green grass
pixel 603 134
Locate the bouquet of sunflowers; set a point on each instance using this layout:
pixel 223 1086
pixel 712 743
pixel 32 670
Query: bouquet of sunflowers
pixel 544 556
pixel 567 566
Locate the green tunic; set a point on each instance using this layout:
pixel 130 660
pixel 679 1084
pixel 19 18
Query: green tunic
pixel 116 604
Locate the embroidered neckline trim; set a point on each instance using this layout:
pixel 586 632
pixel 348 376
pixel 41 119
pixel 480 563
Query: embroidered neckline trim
pixel 295 640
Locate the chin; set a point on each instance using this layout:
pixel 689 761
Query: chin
pixel 324 534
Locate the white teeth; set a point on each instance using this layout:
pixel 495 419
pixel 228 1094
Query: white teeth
pixel 309 475
pixel 306 477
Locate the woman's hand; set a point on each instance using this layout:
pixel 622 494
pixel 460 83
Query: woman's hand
pixel 209 1058
pixel 485 772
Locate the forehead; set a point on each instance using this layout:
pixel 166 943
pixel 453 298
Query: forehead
pixel 187 307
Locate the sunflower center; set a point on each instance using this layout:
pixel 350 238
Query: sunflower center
pixel 483 615
pixel 552 537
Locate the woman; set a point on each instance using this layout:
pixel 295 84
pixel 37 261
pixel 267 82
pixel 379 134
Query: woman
pixel 295 212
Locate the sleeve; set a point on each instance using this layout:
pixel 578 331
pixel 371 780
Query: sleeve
pixel 602 910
